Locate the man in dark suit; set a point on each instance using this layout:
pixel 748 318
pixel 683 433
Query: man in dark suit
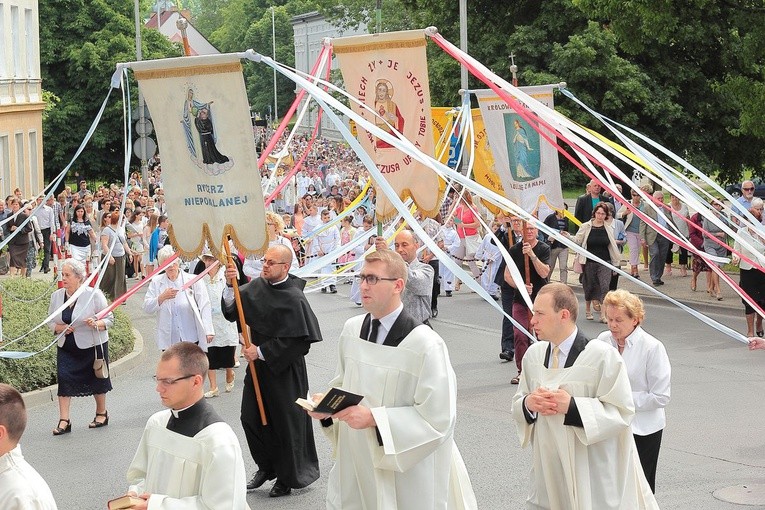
pixel 396 448
pixel 574 407
pixel 587 202
pixel 658 245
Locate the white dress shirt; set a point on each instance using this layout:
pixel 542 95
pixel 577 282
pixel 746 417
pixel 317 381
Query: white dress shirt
pixel 386 323
pixel 649 372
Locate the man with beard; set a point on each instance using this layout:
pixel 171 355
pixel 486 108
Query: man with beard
pixel 283 328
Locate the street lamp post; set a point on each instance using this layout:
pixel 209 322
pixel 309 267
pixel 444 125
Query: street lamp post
pixel 463 43
pixel 273 40
pixel 141 107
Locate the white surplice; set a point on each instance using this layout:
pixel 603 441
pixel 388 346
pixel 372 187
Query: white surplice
pixel 184 473
pixel 411 390
pixel 21 486
pixel 582 468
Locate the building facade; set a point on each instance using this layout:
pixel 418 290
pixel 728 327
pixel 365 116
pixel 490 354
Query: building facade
pixel 21 102
pixel 309 31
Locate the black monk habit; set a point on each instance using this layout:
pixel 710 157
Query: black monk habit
pixel 284 327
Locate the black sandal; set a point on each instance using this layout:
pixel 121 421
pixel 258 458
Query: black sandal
pixel 58 430
pixel 95 424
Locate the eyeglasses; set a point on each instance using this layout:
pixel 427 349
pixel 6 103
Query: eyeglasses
pixel 748 189
pixel 274 262
pixel 373 279
pixel 169 382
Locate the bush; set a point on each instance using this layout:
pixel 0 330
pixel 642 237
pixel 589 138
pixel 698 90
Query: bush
pixel 25 304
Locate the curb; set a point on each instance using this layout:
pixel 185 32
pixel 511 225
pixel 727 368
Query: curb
pixel 116 369
pixel 731 305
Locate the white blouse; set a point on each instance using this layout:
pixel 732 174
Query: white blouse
pixel 649 372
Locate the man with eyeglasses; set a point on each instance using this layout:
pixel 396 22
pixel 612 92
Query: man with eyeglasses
pixel 188 457
pixel 283 327
pixel 744 202
pixel 396 448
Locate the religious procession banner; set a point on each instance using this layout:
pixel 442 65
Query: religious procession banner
pixel 209 165
pixel 526 163
pixel 389 73
pixel 483 163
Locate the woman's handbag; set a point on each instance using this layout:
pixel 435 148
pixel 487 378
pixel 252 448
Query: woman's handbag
pixel 578 266
pixel 100 366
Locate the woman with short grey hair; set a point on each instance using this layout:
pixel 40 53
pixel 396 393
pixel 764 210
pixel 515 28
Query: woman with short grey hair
pixel 83 339
pixel 182 315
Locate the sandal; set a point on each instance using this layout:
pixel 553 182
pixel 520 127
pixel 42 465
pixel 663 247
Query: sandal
pixel 95 424
pixel 589 317
pixel 760 333
pixel 516 379
pixel 596 306
pixel 65 430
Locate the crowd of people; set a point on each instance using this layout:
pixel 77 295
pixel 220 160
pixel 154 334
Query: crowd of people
pixel 392 450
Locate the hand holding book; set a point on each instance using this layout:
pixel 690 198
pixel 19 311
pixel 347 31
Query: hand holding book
pixel 334 401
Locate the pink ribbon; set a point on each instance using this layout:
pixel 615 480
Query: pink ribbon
pixel 534 120
pixel 117 302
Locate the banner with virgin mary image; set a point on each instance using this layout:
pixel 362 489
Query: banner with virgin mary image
pixel 389 74
pixel 527 165
pixel 210 172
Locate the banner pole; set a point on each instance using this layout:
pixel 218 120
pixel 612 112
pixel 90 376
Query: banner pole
pixel 246 336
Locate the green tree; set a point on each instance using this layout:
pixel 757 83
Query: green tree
pixel 81 42
pixel 698 53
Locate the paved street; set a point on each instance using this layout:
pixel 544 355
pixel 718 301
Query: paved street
pixel 714 436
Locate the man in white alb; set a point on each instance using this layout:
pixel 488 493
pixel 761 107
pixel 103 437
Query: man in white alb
pixel 574 407
pixel 395 450
pixel 188 457
pixel 21 487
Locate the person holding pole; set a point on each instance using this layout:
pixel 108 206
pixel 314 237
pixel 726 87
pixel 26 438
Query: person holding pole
pixel 283 328
pixel 532 257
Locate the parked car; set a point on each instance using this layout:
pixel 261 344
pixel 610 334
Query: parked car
pixel 759 188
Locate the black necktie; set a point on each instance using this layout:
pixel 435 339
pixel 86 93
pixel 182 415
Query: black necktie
pixel 373 330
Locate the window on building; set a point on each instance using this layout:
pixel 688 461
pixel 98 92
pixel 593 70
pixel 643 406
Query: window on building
pixel 31 47
pixel 5 167
pixel 20 160
pixel 15 41
pixel 3 67
pixel 34 181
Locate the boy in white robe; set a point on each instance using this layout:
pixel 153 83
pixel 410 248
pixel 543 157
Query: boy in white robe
pixel 188 457
pixel 489 253
pixel 574 406
pixel 449 241
pixel 21 486
pixel 395 450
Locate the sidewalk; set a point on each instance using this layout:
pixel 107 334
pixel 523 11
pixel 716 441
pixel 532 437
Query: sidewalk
pixel 676 287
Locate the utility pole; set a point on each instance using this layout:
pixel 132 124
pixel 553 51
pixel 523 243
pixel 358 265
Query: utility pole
pixel 141 104
pixel 463 43
pixel 273 41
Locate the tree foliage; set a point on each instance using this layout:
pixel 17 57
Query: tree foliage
pixel 687 74
pixel 81 42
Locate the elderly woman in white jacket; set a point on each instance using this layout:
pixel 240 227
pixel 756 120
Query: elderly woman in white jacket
pixel 183 316
pixel 83 339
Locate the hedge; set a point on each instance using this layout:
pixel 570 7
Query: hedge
pixel 25 304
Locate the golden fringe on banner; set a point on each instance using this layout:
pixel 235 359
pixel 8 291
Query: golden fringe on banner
pixel 355 48
pixel 213 245
pixel 154 74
